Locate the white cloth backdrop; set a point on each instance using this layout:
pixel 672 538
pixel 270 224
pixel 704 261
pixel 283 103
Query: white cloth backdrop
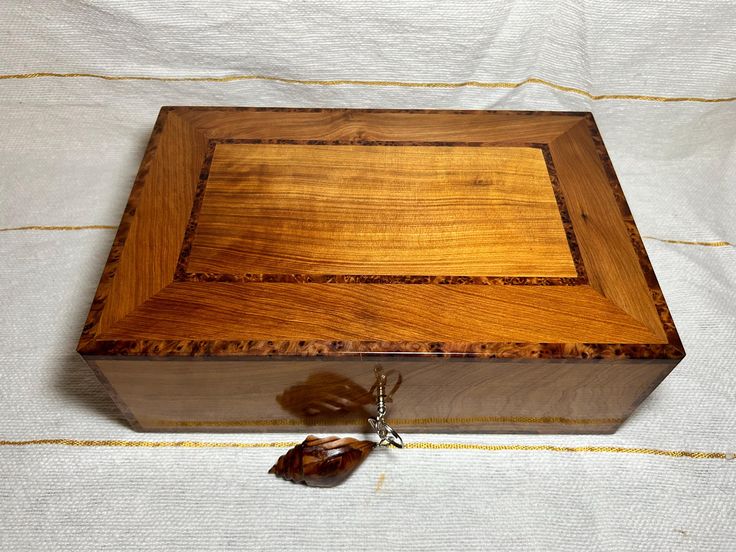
pixel 71 147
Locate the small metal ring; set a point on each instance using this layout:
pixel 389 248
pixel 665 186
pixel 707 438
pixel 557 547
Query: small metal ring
pixel 392 438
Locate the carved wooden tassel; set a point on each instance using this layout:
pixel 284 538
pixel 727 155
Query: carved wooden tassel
pixel 322 461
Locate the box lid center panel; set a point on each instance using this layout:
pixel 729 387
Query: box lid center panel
pixel 356 209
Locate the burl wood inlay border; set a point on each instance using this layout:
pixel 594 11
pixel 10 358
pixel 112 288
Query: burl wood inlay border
pixel 184 275
pixel 565 134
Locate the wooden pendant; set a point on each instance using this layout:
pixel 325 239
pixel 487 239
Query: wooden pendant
pixel 322 461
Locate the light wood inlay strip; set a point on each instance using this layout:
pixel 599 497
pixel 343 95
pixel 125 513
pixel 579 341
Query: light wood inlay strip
pixel 396 422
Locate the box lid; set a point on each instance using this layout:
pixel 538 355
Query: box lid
pixel 323 232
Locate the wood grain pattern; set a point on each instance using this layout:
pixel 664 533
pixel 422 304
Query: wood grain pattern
pixel 381 312
pixel 367 209
pixel 158 219
pixel 449 395
pixel 647 270
pixel 322 461
pixel 269 232
pixel 612 264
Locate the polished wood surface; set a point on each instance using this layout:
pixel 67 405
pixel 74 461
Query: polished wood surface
pixel 365 209
pixel 257 239
pixel 322 461
pixel 611 263
pixel 330 395
pixel 390 313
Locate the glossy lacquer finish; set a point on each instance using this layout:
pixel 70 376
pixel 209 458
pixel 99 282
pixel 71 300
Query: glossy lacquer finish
pixel 270 259
pixel 322 461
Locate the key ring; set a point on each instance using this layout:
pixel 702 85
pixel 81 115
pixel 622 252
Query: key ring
pixel 386 434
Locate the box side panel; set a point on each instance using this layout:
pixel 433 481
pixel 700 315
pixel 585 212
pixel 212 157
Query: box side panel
pixel 122 406
pixel 427 395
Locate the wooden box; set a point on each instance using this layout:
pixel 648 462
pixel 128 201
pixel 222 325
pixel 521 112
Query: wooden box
pixel 269 259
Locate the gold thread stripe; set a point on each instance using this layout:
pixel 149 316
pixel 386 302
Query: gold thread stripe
pixel 509 420
pixel 146 444
pixel 108 227
pixel 61 228
pixel 398 422
pixel 685 242
pixel 404 84
pixel 553 448
pixel 419 445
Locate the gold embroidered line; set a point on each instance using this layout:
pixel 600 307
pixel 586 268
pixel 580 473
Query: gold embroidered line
pixel 146 444
pixel 420 445
pixel 404 84
pixel 399 422
pixel 61 228
pixel 108 227
pixel 510 420
pixel 552 448
pixel 685 242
